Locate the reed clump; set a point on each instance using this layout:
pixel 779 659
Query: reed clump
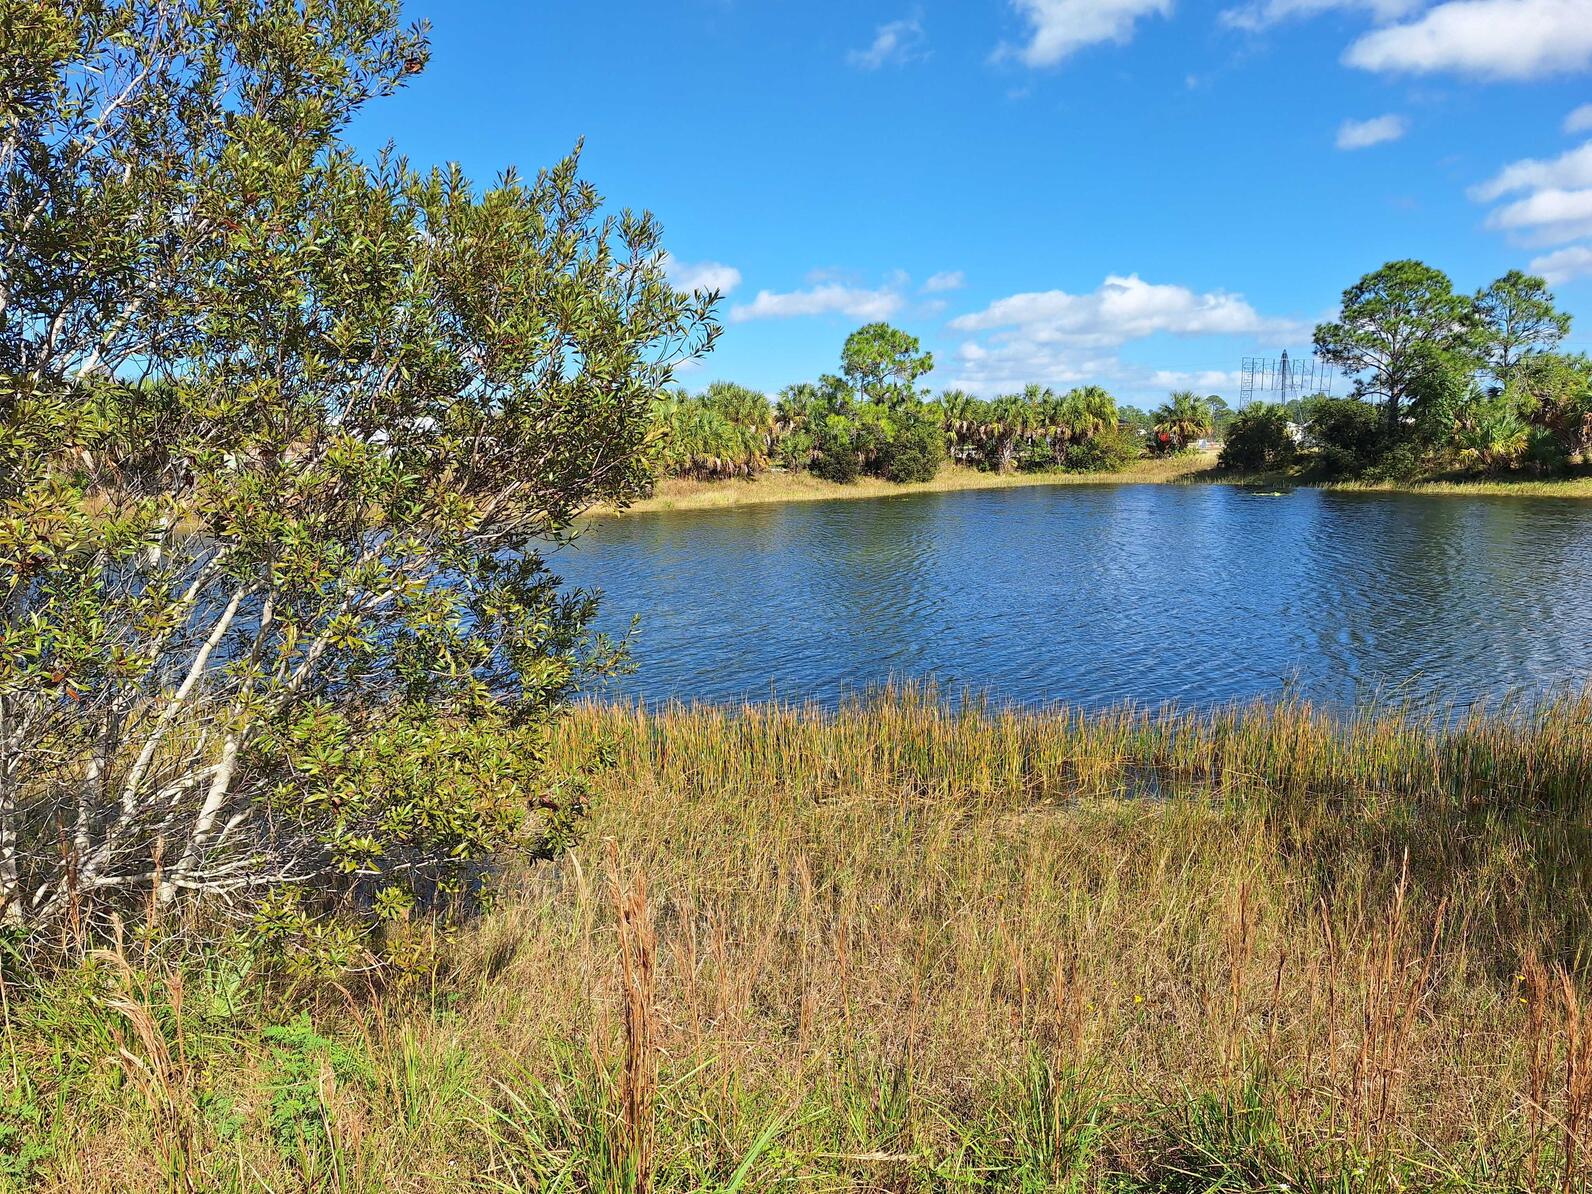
pixel 914 944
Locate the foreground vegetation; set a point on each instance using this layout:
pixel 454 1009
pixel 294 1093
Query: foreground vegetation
pixel 911 947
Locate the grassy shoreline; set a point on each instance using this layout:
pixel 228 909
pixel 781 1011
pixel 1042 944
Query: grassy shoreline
pixel 904 947
pixel 678 493
pixel 681 494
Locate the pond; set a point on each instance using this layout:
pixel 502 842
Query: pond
pixel 1098 594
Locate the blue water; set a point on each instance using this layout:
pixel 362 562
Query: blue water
pixel 1099 594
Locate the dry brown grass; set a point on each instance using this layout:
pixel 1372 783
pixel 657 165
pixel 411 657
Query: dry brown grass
pixel 910 947
pixel 681 493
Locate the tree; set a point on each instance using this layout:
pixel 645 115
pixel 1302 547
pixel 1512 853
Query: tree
pixel 883 363
pixel 1399 326
pixel 1182 419
pixel 283 435
pixel 1221 413
pixel 1088 412
pixel 965 420
pixel 1518 321
pixel 1136 421
pixel 1014 419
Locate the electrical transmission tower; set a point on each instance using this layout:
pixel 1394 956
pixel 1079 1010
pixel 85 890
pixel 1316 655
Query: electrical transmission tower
pixel 1280 379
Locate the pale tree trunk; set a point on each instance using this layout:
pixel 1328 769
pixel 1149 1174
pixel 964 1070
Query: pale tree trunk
pixel 205 823
pixel 10 878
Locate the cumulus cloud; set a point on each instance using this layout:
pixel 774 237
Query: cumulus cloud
pixel 951 279
pixel 1563 265
pixel 1360 134
pixel 701 275
pixel 1122 309
pixel 1262 14
pixel 1572 169
pixel 1063 339
pixel 1580 120
pixel 1547 217
pixel 831 299
pixel 1554 208
pixel 1557 205
pixel 1007 368
pixel 1059 28
pixel 1497 39
pixel 1208 380
pixel 894 44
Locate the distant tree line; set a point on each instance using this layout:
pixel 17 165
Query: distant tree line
pixel 871 419
pixel 1444 383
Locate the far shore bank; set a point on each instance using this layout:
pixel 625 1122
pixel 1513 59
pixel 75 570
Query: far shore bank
pixel 679 493
pixel 683 494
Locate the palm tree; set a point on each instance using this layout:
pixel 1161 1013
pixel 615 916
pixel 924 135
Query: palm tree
pixel 1015 417
pixel 965 418
pixel 723 434
pixel 1183 418
pixel 1091 411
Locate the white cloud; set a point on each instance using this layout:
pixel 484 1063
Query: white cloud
pixel 1062 27
pixel 951 279
pixel 1360 134
pixel 1262 14
pixel 1563 265
pixel 1555 207
pixel 894 44
pixel 1499 39
pixel 1062 339
pixel 1580 120
pixel 1003 368
pixel 1572 169
pixel 1122 309
pixel 1206 380
pixel 701 275
pixel 832 299
pixel 1547 217
pixel 1007 368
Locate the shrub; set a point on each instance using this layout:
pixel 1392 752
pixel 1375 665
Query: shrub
pixel 1107 451
pixel 1257 438
pixel 1402 457
pixel 1554 391
pixel 1488 432
pixel 835 446
pixel 1347 434
pixel 725 432
pixel 915 451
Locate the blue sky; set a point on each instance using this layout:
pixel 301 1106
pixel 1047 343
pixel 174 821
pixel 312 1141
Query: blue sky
pixel 1130 192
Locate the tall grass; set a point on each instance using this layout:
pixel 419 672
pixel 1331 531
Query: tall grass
pixel 914 946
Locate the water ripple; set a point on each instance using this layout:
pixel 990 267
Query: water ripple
pixel 1106 593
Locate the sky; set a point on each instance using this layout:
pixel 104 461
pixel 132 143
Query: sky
pixel 1132 193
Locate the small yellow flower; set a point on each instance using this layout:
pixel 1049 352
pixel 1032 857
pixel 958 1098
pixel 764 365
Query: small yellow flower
pixel 1138 999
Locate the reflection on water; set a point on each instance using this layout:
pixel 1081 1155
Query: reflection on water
pixel 1099 594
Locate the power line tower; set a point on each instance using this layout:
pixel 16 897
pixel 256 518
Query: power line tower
pixel 1282 379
